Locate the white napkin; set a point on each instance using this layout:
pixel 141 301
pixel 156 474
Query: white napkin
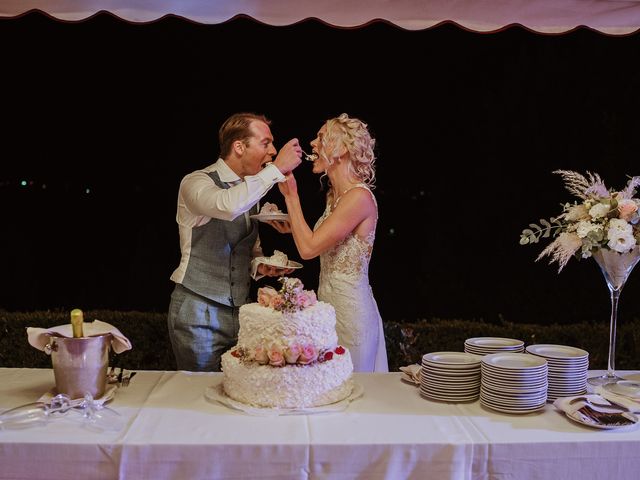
pixel 632 405
pixel 413 372
pixel 595 402
pixel 39 337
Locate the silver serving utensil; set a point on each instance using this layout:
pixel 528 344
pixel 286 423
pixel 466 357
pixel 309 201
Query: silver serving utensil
pixel 309 157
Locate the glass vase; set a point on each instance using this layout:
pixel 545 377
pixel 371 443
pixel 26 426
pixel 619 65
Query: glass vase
pixel 616 268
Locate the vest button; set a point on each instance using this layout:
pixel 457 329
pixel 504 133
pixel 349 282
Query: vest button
pixel 232 284
pixel 233 269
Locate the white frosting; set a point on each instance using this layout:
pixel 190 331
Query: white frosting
pixel 264 326
pixel 269 208
pixel 291 386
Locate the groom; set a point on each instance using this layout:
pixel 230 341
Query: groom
pixel 218 240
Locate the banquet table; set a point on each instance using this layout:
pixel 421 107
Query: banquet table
pixel 171 430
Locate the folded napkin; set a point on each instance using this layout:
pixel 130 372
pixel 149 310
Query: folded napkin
pixel 413 372
pixel 39 337
pixel 599 413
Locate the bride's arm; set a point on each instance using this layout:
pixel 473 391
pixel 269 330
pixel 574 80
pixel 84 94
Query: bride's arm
pixel 353 208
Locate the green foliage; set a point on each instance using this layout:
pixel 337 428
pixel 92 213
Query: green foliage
pixel 406 341
pixel 536 232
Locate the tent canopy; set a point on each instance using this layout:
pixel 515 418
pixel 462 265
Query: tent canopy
pixel 612 17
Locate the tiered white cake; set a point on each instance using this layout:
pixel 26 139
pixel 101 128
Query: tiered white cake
pixel 287 354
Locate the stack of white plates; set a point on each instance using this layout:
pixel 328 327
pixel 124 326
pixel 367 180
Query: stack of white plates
pixel 487 345
pixel 450 376
pixel 513 382
pixel 567 369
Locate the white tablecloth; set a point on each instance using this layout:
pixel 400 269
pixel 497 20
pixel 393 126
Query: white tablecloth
pixel 173 431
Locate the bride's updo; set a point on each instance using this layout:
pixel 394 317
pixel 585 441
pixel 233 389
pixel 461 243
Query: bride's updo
pixel 352 134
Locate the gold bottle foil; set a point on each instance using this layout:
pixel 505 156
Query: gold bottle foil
pixel 77 319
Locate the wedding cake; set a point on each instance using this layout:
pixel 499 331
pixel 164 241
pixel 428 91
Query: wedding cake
pixel 287 354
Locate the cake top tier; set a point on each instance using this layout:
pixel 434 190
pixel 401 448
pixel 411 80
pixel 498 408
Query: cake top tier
pixel 290 298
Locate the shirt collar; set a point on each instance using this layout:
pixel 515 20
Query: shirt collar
pixel 226 174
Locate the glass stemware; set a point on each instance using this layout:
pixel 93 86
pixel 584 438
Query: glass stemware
pixel 93 414
pixel 616 268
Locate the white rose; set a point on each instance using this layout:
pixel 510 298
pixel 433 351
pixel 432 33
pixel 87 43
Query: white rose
pixel 619 226
pixel 621 243
pixel 599 210
pixel 584 227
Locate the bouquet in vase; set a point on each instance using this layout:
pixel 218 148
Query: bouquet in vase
pixel 602 219
pixel 603 224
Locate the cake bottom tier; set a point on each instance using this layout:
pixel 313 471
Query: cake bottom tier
pixel 291 386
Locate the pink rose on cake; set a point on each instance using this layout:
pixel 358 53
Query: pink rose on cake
pixel 292 353
pixel 308 354
pixel 266 296
pixel 260 355
pixel 276 357
pixel 306 298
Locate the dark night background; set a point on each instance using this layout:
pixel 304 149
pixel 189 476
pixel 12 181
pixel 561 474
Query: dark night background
pixel 101 119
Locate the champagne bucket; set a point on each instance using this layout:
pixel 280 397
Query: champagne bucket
pixel 80 364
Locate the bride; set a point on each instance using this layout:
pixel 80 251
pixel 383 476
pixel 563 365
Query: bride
pixel 343 236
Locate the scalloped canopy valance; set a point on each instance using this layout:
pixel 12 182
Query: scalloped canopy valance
pixel 612 17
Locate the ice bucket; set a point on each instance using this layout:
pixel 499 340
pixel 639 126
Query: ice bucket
pixel 80 364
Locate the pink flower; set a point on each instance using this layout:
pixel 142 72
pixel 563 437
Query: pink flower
pixel 277 303
pixel 260 355
pixel 266 295
pixel 276 358
pixel 308 354
pixel 627 208
pixel 306 298
pixel 292 353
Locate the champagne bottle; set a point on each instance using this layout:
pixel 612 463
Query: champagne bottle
pixel 77 319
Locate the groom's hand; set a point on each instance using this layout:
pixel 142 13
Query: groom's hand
pixel 289 156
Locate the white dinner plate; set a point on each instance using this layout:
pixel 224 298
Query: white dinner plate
pixel 516 361
pixel 494 342
pixel 626 388
pixel 451 358
pixel 557 351
pixel 267 217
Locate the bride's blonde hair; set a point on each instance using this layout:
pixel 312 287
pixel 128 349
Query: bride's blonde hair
pixel 352 134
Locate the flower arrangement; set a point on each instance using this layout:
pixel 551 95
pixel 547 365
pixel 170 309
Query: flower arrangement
pixel 291 297
pixel 602 219
pixel 291 354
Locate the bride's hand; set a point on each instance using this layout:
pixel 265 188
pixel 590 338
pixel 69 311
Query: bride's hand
pixel 289 186
pixel 280 226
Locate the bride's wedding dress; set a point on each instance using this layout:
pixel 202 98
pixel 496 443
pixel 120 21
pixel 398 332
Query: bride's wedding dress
pixel 344 283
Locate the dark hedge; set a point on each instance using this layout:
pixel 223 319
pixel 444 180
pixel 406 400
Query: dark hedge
pixel 406 342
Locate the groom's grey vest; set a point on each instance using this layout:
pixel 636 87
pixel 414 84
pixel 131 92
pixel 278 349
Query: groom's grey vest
pixel 220 262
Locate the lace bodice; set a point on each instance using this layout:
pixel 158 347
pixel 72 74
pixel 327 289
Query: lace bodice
pixel 350 256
